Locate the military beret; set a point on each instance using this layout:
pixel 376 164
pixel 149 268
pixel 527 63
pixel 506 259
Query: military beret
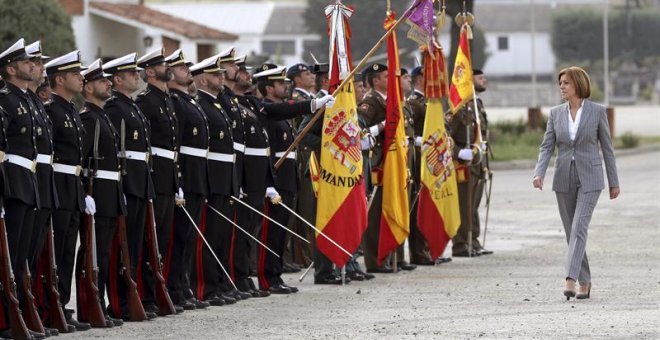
pixel 476 72
pixel 295 69
pixel 374 68
pixel 404 71
pixel 417 71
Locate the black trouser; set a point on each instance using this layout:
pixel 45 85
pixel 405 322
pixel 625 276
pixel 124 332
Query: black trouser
pixel 208 278
pixel 66 225
pixel 104 229
pixel 241 243
pixel 269 266
pixel 41 224
pixel 19 222
pixel 163 217
pixel 181 248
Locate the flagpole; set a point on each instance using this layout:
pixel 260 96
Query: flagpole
pixel 362 62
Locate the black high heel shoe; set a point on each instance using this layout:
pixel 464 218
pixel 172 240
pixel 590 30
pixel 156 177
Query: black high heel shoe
pixel 568 292
pixel 582 296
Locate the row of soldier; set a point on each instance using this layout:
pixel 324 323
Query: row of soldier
pixel 191 156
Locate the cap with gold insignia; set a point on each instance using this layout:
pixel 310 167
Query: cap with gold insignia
pixel 278 73
pixel 176 58
pixel 153 58
pixel 208 65
pixel 227 56
pixel 94 71
pixel 240 61
pixel 125 63
pixel 69 62
pixel 374 68
pixel 35 50
pixel 319 68
pixel 264 67
pixel 295 69
pixel 14 53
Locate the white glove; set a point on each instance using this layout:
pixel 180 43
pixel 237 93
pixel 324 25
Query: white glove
pixel 376 129
pixel 367 142
pixel 241 194
pixel 465 154
pixel 484 146
pixel 273 195
pixel 90 205
pixel 326 101
pixel 419 141
pixel 2 214
pixel 178 198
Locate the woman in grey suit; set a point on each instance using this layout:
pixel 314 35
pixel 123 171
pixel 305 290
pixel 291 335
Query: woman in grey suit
pixel 576 128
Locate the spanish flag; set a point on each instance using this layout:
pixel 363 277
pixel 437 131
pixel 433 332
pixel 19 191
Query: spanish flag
pixel 394 220
pixel 461 90
pixel 438 214
pixel 342 206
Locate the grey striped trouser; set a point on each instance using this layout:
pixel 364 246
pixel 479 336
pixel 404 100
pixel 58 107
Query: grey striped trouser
pixel 575 209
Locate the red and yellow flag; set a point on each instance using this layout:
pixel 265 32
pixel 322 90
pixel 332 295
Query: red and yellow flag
pixel 394 220
pixel 438 214
pixel 461 90
pixel 341 212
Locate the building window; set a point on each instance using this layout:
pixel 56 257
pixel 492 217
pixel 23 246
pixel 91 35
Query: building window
pixel 279 47
pixel 502 43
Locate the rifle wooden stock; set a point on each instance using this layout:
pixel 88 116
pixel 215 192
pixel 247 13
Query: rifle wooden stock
pixel 135 309
pixel 49 279
pixel 163 300
pixel 16 323
pixel 88 300
pixel 30 313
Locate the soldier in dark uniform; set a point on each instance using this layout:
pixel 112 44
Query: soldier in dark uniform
pixel 321 79
pixel 156 104
pixel 136 176
pixel 194 138
pixel 461 124
pixel 107 188
pixel 303 80
pixel 271 83
pixel 416 102
pixel 208 276
pixel 21 197
pixel 67 133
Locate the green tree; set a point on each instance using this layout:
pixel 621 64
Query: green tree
pixel 36 20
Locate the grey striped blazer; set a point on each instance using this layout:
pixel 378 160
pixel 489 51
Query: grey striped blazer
pixel 592 130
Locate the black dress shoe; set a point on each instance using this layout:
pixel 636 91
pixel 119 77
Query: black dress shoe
pixel 406 266
pixel 355 276
pixel 186 305
pixel 441 260
pixel 239 295
pixel 483 251
pixel 216 301
pixel 466 253
pixel 150 307
pixel 262 293
pixel 229 299
pixel 151 315
pixel 424 262
pixel 330 280
pixel 37 335
pixel 178 309
pixel 51 331
pixel 367 276
pixel 291 288
pixel 80 326
pixel 114 321
pixel 381 270
pixel 279 289
pixel 198 304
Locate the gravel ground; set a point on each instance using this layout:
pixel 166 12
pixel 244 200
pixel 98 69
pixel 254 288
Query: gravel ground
pixel 515 293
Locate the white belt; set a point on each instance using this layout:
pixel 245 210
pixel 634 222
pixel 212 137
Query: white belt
pixel 22 161
pixel 186 150
pixel 257 152
pixel 109 175
pixel 222 157
pixel 67 169
pixel 291 155
pixel 239 147
pixel 44 159
pixel 137 156
pixel 160 152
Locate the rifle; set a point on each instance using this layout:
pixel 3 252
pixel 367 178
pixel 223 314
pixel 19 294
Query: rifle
pixel 30 315
pixel 49 279
pixel 16 323
pixel 163 300
pixel 135 309
pixel 88 297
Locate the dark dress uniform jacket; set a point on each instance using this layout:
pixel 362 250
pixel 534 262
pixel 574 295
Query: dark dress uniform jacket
pixel 45 177
pixel 372 109
pixel 20 131
pixel 417 103
pixel 281 136
pixel 194 133
pixel 137 181
pixel 222 179
pixel 68 131
pixel 109 194
pixel 157 106
pixel 229 103
pixel 255 116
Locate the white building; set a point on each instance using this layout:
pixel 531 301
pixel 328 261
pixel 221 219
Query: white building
pixel 106 29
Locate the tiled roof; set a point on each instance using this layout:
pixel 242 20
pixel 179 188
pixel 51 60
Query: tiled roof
pixel 152 17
